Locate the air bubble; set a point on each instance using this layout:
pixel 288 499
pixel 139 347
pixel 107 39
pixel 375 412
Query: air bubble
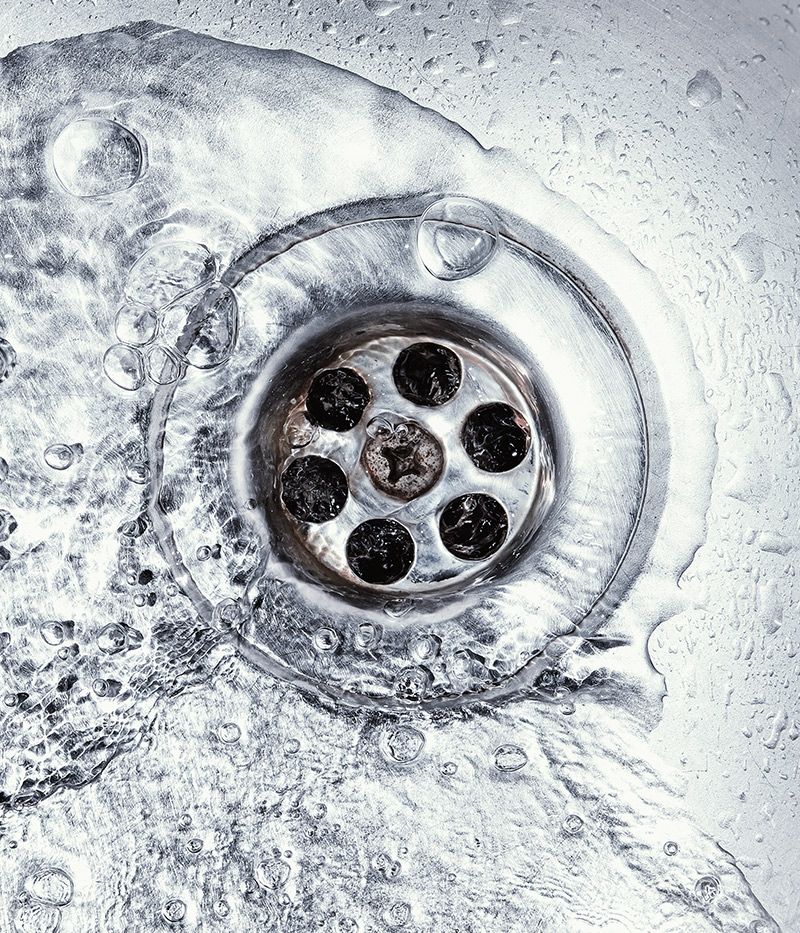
pixel 671 848
pixel 508 758
pixel 456 238
pixel 51 886
pixel 229 733
pixel 401 744
pixel 412 684
pixel 135 324
pixel 325 640
pixel 52 633
pixel 707 888
pixel 138 472
pixel 174 910
pixel 573 824
pixel 124 366
pixel 168 271
pixel 94 157
pixel 8 359
pixel 33 917
pixel 162 367
pixel 62 456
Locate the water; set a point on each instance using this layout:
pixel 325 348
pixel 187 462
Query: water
pixel 477 801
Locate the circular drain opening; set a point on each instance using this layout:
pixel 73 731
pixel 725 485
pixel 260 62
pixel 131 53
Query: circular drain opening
pixel 392 491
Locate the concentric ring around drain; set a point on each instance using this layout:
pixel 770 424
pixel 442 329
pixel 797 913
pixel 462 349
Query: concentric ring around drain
pixel 568 368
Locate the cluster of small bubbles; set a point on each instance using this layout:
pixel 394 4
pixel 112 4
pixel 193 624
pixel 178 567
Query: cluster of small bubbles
pixel 671 848
pixel 508 758
pixel 448 768
pixel 412 683
pixel 385 865
pixel 124 366
pixel 456 237
pixel 62 456
pixel 8 359
pixel 174 910
pixel 93 156
pixel 573 824
pixel 52 632
pixel 707 888
pixel 8 525
pixel 398 914
pixel 325 640
pixel 703 89
pixel 401 744
pixel 51 886
pixel 229 733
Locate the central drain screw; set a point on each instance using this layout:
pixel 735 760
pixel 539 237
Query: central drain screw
pixel 404 462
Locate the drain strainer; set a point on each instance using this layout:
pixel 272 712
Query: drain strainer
pixel 435 452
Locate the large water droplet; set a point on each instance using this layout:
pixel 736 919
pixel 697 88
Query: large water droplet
pixel 93 156
pixel 51 885
pixel 456 237
pixel 401 744
pixel 509 758
pixel 382 7
pixel 124 366
pixel 748 255
pixel 135 324
pixel 703 89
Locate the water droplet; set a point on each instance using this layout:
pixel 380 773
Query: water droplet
pixel 112 638
pixel 425 648
pixel 229 733
pixel 8 359
pixel 272 874
pixel 325 640
pixel 671 848
pixel 382 7
pixel 703 89
pixel 449 768
pixel 8 525
pixel 412 683
pixel 62 456
pixel 135 324
pixel 124 366
pixel 367 636
pixel 174 910
pixel 52 632
pixel 748 256
pixel 573 824
pixel 93 156
pixel 571 134
pixel 397 608
pixel 456 237
pixel 51 886
pixel 707 888
pixel 487 57
pixel 509 758
pixel 221 909
pixel 401 744
pixel 194 845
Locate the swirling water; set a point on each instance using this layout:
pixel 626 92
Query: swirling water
pixel 151 775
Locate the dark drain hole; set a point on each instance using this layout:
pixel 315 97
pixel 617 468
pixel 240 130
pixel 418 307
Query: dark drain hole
pixel 337 399
pixel 314 489
pixel 380 551
pixel 427 374
pixel 474 526
pixel 496 437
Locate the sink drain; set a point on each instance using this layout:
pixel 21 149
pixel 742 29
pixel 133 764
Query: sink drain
pixel 413 480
